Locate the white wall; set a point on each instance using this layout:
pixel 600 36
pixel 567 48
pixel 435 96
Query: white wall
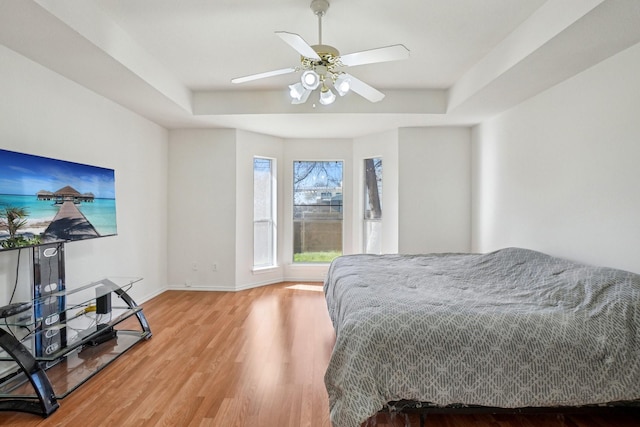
pixel 560 173
pixel 385 146
pixel 202 208
pixel 47 115
pixel 211 199
pixel 435 190
pixel 211 206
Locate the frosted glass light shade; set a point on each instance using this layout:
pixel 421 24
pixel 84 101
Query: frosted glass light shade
pixel 342 85
pixel 327 96
pixel 298 93
pixel 310 80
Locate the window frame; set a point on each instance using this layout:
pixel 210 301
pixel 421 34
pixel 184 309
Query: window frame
pixel 271 222
pixel 367 220
pixel 339 191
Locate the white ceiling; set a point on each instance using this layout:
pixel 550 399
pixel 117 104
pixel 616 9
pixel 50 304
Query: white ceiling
pixel 205 44
pixel 172 61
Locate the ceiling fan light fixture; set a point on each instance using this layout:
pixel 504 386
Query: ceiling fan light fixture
pixel 342 84
pixel 298 93
pixel 327 97
pixel 310 80
pixel 321 66
pixel 303 98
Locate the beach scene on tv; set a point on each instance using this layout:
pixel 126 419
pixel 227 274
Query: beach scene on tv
pixel 44 200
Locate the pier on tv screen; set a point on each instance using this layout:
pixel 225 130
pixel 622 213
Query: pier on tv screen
pixel 44 200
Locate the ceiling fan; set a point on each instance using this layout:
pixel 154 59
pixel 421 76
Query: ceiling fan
pixel 321 66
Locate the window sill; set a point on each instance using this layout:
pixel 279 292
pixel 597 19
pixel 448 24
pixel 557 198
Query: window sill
pixel 262 270
pixel 310 264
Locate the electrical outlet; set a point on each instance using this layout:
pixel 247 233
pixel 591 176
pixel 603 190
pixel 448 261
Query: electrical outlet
pixel 187 283
pixel 194 266
pixel 214 267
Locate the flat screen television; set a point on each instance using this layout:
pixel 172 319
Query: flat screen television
pixel 44 200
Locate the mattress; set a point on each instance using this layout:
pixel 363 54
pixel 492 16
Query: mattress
pixel 510 329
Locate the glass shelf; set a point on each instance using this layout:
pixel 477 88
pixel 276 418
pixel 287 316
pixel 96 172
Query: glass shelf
pixel 78 330
pixel 74 369
pixel 45 358
pixel 76 298
pixel 78 323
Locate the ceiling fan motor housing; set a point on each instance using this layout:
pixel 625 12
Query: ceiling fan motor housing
pixel 329 60
pixel 324 50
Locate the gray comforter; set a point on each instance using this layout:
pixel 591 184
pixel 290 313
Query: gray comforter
pixel 512 328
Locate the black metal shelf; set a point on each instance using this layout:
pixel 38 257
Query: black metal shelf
pixel 33 381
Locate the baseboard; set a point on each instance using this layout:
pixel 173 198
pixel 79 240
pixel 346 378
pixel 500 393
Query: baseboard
pixel 303 279
pixel 258 284
pixel 151 295
pixel 223 288
pixel 217 288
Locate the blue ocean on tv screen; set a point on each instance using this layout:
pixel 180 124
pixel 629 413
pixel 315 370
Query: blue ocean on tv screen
pixel 45 200
pixel 101 213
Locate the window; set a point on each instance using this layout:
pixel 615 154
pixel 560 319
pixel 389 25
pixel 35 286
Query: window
pixel 317 211
pixel 264 213
pixel 372 206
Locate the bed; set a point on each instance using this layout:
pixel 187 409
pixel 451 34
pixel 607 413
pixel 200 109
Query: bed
pixel 513 328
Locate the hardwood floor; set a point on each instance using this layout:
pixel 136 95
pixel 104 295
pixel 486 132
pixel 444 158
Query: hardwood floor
pixel 252 358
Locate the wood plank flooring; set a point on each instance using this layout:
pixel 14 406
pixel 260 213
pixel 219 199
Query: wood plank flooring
pixel 252 358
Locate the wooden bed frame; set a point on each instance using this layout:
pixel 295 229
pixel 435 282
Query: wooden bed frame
pixel 424 409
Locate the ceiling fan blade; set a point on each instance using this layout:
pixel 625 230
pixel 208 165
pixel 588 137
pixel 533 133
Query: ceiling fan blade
pixel 364 90
pixel 263 75
pixel 298 43
pixel 381 54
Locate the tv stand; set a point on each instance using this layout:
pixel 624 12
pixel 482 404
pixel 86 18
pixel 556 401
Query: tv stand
pixel 43 359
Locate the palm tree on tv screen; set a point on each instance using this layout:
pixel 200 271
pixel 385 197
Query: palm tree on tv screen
pixel 12 220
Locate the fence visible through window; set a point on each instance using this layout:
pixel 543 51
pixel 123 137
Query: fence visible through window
pixel 317 211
